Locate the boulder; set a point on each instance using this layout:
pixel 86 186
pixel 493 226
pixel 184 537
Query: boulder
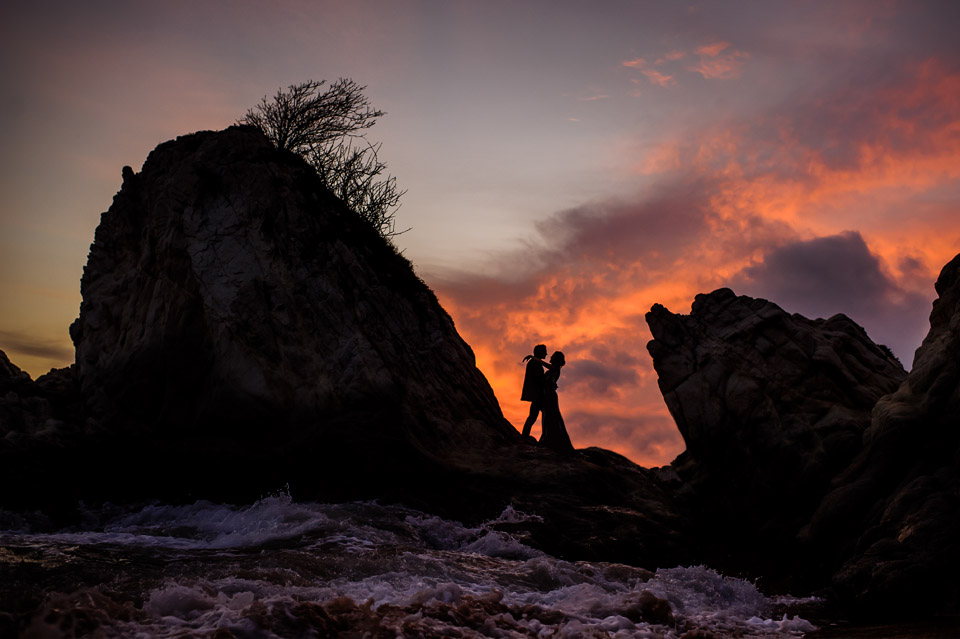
pixel 893 515
pixel 771 407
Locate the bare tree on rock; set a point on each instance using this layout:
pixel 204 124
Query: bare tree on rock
pixel 325 127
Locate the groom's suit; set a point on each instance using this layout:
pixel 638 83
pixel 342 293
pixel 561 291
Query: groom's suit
pixel 532 392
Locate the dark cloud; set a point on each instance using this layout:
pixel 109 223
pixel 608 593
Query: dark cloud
pixel 839 274
pixel 643 229
pixel 590 244
pixel 25 344
pixel 601 378
pixel 478 289
pixel 824 276
pixel 611 352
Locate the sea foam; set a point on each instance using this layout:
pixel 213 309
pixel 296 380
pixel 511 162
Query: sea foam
pixel 279 568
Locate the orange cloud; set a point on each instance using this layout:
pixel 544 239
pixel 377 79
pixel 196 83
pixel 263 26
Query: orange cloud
pixel 658 78
pixel 715 64
pixel 609 396
pixel 713 50
pixel 716 61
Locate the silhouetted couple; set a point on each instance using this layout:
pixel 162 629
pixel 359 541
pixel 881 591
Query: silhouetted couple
pixel 540 389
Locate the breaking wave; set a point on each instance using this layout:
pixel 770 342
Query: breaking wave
pixel 279 568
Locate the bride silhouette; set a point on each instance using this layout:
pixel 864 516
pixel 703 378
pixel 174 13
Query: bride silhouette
pixel 554 432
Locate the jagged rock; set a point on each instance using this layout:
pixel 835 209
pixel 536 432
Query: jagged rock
pixel 755 388
pixel 15 417
pixel 34 410
pixel 894 514
pixel 11 376
pixel 770 405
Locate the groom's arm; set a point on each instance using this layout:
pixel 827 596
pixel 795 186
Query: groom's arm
pixel 544 362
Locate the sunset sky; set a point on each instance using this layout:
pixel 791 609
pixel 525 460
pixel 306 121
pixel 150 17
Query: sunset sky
pixel 568 164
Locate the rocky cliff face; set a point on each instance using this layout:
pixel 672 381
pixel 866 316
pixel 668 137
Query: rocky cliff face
pixel 229 297
pixel 894 514
pixel 771 406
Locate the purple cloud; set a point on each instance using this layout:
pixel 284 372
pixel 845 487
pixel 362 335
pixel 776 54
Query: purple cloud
pixel 839 274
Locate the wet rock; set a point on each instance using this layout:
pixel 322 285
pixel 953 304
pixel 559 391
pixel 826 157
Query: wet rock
pixel 652 609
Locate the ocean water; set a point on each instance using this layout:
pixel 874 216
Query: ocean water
pixel 279 568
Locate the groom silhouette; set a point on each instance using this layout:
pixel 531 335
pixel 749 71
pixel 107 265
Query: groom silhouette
pixel 533 385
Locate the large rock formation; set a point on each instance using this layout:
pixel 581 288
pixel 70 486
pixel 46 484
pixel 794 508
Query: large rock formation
pixel 894 514
pixel 229 297
pixel 771 407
